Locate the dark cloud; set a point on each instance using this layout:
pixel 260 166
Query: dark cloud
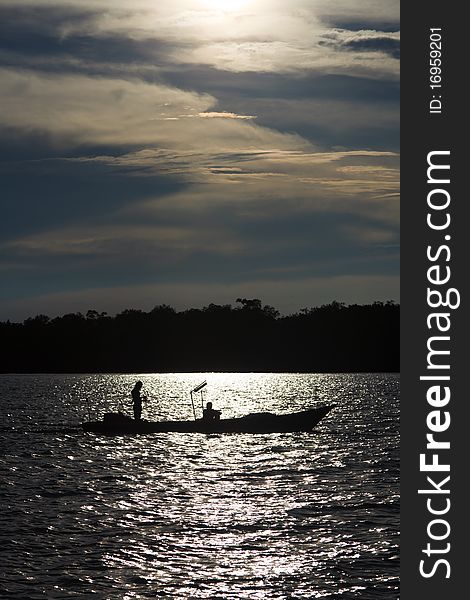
pixel 358 24
pixel 49 195
pixel 24 145
pixel 268 95
pixel 364 41
pixel 33 37
pixel 17 21
pixel 306 246
pixel 366 14
pixel 378 44
pixel 224 84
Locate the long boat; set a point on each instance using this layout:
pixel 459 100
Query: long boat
pixel 117 423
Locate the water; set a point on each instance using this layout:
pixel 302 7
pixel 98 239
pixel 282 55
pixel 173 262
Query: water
pixel 221 516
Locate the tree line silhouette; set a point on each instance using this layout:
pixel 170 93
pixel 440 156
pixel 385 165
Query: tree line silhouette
pixel 333 337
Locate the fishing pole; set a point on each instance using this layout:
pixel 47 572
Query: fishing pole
pixel 89 409
pixel 198 388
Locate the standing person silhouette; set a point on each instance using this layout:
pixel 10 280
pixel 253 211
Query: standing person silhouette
pixel 137 400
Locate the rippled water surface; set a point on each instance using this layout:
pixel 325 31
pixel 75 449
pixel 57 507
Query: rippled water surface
pixel 221 516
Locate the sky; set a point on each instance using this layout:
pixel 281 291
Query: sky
pixel 186 152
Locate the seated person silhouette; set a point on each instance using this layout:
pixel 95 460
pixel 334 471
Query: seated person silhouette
pixel 210 414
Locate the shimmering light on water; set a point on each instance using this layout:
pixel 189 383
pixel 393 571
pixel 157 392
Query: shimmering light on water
pixel 199 516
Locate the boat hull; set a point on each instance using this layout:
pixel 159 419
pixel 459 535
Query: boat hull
pixel 119 424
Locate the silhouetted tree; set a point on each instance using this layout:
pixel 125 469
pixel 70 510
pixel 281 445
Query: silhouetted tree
pixel 254 304
pixel 250 337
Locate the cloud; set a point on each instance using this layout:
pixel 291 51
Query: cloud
pixel 163 242
pixel 327 110
pixel 265 37
pixel 364 41
pixel 357 14
pixel 231 209
pixel 223 115
pixel 239 215
pixel 171 148
pixel 48 195
pixel 276 56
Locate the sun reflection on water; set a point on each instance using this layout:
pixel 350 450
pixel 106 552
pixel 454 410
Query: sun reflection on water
pixel 209 516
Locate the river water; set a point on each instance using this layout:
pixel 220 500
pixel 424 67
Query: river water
pixel 221 516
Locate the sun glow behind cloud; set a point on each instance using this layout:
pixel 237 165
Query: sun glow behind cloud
pixel 226 5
